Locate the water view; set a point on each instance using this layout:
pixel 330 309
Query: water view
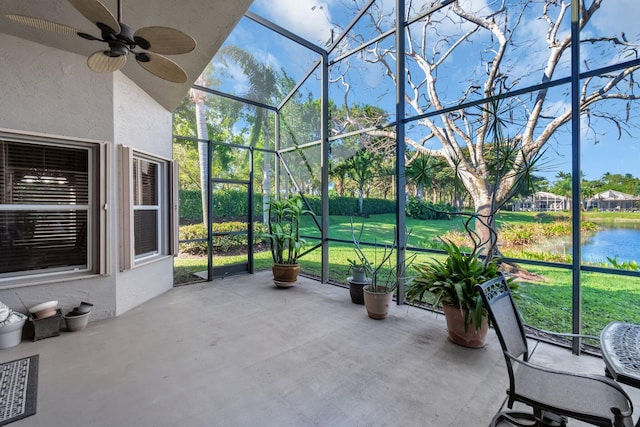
pixel 619 241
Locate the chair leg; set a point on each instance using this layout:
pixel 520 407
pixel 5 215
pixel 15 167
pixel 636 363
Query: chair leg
pixel 550 419
pixel 514 418
pixel 623 420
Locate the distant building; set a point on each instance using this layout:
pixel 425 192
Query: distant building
pixel 612 200
pixel 543 201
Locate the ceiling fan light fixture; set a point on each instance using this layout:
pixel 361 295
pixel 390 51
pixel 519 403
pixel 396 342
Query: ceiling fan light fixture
pixel 102 62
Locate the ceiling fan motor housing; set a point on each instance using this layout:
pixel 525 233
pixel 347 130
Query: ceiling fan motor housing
pixel 120 44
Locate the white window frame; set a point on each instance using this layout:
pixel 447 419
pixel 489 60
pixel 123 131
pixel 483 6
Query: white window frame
pixel 166 208
pixel 97 245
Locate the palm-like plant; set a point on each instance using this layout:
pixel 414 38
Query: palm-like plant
pixel 284 229
pixel 453 282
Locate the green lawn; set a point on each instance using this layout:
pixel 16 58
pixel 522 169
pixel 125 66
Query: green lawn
pixel 545 303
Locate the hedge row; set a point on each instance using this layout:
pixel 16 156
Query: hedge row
pixel 230 204
pixel 347 206
pixel 227 204
pixel 421 209
pixel 223 242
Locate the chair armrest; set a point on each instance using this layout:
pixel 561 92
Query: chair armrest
pixel 552 335
pixel 541 368
pixel 553 390
pixel 562 334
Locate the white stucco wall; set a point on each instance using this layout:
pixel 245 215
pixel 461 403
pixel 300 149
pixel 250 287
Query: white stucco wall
pixel 142 124
pixel 50 91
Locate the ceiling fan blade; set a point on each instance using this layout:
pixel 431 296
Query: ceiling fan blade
pixel 43 24
pixel 164 40
pixel 95 12
pixel 162 67
pixel 101 62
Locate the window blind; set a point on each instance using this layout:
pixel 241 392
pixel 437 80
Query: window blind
pixel 44 207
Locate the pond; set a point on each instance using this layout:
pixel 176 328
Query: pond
pixel 619 241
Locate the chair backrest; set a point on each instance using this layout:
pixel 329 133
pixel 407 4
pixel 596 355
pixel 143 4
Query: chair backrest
pixel 504 316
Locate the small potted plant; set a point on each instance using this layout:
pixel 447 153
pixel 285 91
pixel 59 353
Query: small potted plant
pixel 284 239
pixel 357 281
pixel 383 277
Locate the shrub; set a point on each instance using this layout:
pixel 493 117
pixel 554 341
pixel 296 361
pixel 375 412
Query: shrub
pixel 190 205
pixel 222 242
pixel 421 209
pixel 348 206
pixel 227 204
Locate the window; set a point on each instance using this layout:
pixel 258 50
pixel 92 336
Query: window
pixel 49 207
pixel 147 220
pixel 146 202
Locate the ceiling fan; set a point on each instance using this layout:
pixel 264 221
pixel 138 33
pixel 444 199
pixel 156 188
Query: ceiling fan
pixel 122 40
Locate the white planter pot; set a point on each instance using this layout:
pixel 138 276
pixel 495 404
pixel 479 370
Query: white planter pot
pixel 10 335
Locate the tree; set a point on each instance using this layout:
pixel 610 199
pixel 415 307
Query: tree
pixel 262 86
pixel 562 184
pixel 420 172
pixel 362 169
pixel 498 38
pixel 198 98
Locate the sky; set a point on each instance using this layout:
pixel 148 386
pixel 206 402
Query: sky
pixel 314 21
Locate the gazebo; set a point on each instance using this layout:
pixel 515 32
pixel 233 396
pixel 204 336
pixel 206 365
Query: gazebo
pixel 612 200
pixel 544 201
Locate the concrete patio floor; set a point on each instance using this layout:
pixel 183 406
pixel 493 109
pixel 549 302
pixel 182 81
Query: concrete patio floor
pixel 240 352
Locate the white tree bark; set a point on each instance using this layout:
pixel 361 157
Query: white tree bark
pixel 198 99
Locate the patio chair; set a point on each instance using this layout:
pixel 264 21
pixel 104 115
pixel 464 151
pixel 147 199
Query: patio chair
pixel 553 395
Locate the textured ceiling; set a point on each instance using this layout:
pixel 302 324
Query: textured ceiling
pixel 209 22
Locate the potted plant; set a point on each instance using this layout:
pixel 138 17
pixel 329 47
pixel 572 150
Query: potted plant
pixel 451 283
pixel 357 281
pixel 383 277
pixel 284 239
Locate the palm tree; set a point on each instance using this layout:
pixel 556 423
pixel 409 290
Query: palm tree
pixel 420 173
pixel 198 98
pixel 262 87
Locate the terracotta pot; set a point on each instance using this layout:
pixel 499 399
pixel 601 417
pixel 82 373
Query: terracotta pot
pixel 285 275
pixel 377 303
pixel 455 325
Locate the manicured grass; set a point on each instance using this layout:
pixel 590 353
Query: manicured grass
pixel 605 297
pixel 379 229
pixel 544 303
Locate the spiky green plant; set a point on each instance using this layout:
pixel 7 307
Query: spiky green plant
pixel 453 282
pixel 284 229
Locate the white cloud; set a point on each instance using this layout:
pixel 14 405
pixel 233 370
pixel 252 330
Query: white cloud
pixel 619 15
pixel 310 19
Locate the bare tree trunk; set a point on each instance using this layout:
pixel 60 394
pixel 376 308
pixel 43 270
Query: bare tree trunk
pixel 484 224
pixel 203 155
